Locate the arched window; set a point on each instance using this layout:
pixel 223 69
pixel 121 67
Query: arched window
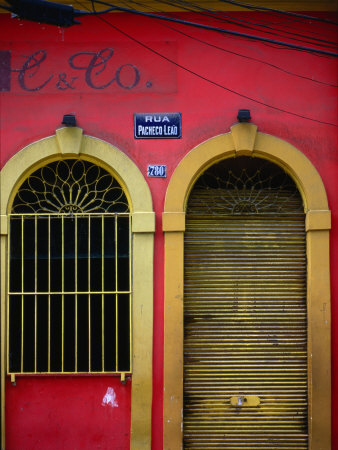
pixel 69 300
pixel 101 207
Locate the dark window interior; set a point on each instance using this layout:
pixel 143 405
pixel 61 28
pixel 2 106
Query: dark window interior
pixel 69 282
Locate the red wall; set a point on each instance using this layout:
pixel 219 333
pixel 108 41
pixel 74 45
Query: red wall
pixel 173 70
pixel 67 413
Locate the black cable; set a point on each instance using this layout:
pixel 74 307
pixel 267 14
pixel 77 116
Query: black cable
pixel 94 13
pixel 253 59
pixel 289 22
pixel 222 30
pixel 232 52
pixel 292 20
pixel 207 79
pixel 279 11
pixel 93 6
pixel 237 37
pixel 230 19
pixel 275 46
pixel 264 24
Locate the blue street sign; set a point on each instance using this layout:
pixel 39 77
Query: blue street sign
pixel 157 125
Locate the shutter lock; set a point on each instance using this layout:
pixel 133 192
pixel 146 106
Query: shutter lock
pixel 245 400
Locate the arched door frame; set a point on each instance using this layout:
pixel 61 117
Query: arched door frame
pixel 71 143
pixel 244 139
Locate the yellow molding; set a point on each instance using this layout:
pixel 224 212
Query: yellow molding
pixel 173 221
pixel 142 386
pixel 318 220
pixel 297 166
pixel 3 343
pixel 35 155
pixel 143 222
pixel 173 346
pixel 240 140
pixel 69 140
pixel 319 339
pixel 208 154
pixel 269 147
pixel 3 224
pixel 71 143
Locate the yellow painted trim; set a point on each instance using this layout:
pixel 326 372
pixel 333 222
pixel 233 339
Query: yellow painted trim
pixel 35 155
pixel 297 165
pixel 244 139
pixel 70 142
pixel 319 339
pixel 3 224
pixel 3 344
pixel 181 183
pixel 173 221
pixel 318 220
pixel 173 343
pixel 142 385
pixel 152 5
pixel 143 222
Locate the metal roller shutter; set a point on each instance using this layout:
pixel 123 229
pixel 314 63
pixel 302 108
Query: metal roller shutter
pixel 245 344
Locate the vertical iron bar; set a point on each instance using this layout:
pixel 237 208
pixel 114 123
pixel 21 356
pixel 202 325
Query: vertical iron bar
pixel 8 297
pixel 116 297
pixel 22 253
pixel 75 293
pixel 22 289
pixel 89 297
pixel 49 295
pixel 130 294
pixel 102 286
pixel 62 289
pixel 35 288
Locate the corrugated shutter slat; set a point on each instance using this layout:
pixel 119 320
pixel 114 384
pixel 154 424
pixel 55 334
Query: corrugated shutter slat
pixel 245 331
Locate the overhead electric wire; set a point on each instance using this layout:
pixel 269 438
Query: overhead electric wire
pixel 203 77
pixel 222 30
pixel 274 66
pixel 279 11
pixel 288 24
pixel 254 59
pixel 178 3
pixel 233 20
pixel 188 6
pixel 92 13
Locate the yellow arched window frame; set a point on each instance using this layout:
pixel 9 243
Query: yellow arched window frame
pixel 70 142
pixel 244 139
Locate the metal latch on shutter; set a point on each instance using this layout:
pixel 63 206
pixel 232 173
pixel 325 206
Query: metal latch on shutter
pixel 245 400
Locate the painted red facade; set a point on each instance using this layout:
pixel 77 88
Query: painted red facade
pixel 104 71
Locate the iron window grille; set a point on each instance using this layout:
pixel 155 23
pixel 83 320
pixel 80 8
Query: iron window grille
pixel 69 300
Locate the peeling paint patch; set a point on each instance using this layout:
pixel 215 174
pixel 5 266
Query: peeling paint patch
pixel 110 398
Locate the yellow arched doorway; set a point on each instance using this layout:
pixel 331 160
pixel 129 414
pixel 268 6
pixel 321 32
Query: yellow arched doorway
pixel 245 140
